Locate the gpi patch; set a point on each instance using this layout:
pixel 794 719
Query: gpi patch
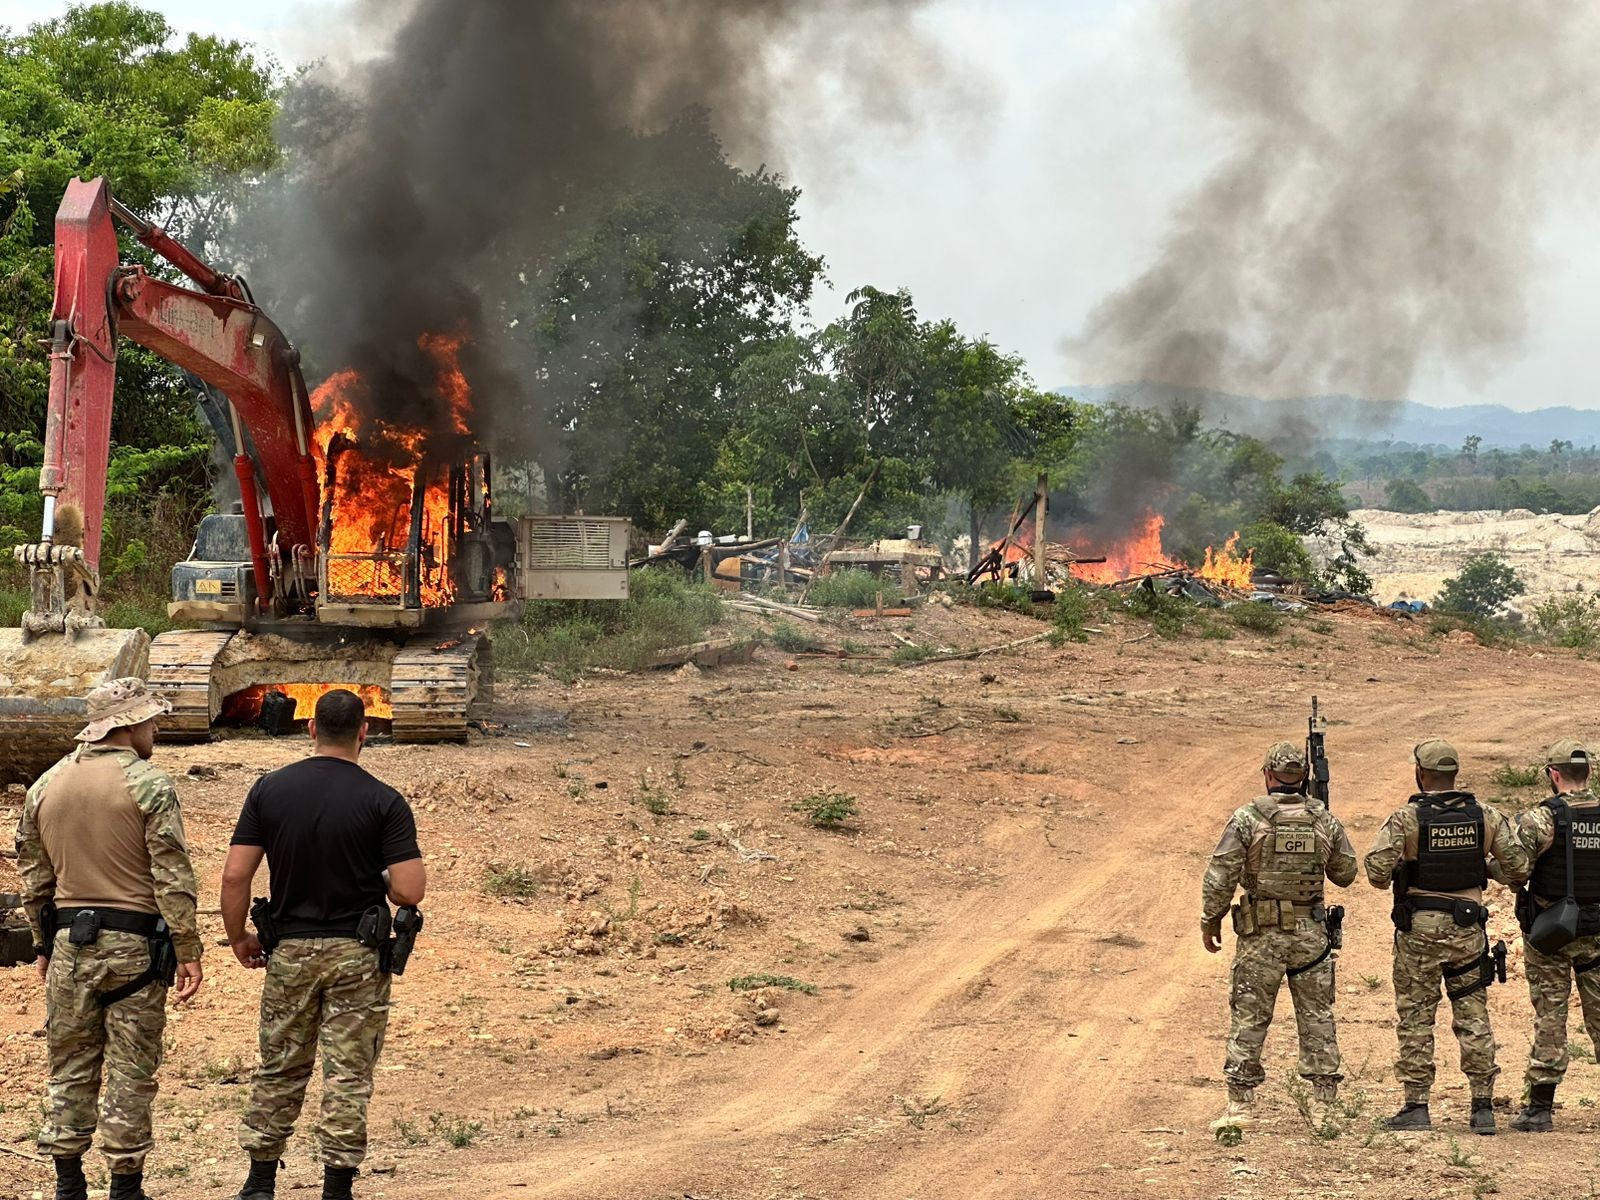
pixel 1294 841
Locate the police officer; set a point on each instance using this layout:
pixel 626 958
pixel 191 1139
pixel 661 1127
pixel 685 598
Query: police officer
pixel 338 843
pixel 1568 822
pixel 1435 852
pixel 110 894
pixel 1279 847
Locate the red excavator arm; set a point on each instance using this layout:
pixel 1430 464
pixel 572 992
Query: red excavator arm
pixel 217 333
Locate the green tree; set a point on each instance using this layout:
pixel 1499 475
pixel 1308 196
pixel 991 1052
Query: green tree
pixel 1483 587
pixel 1403 495
pixel 106 90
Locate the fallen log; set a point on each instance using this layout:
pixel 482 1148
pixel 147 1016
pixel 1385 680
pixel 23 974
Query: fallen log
pixel 762 604
pixel 979 653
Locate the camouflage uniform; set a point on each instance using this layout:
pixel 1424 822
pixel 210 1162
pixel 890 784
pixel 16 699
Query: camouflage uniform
pixel 121 1043
pixel 325 992
pixel 1435 943
pixel 1551 976
pixel 1263 959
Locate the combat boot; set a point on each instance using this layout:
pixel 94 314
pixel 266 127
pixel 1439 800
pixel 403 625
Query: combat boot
pixel 1412 1117
pixel 1324 1102
pixel 70 1183
pixel 128 1187
pixel 262 1182
pixel 1483 1116
pixel 1535 1116
pixel 1240 1113
pixel 336 1182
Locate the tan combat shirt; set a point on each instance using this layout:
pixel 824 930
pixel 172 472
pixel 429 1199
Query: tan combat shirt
pixel 102 829
pixel 1397 842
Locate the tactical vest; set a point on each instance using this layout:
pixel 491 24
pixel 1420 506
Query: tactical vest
pixel 1451 844
pixel 1291 860
pixel 1549 878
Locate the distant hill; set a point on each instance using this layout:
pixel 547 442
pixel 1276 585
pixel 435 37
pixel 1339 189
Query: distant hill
pixel 1345 418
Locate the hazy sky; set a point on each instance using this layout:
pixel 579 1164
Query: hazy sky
pixel 1017 221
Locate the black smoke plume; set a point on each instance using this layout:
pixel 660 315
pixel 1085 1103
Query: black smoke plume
pixel 1376 207
pixel 439 161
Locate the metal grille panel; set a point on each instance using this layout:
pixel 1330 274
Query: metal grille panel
pixel 365 578
pixel 572 543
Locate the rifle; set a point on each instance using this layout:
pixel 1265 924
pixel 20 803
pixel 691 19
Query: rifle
pixel 1317 755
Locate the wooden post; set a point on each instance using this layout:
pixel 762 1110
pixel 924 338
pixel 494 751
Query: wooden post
pixel 707 566
pixel 1041 495
pixel 749 516
pixel 783 565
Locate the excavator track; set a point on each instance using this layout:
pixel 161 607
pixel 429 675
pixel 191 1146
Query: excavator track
pixel 438 684
pixel 183 672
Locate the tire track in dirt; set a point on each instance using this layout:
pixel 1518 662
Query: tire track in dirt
pixel 1055 1056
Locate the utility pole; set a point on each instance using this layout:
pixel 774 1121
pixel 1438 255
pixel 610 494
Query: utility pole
pixel 1041 497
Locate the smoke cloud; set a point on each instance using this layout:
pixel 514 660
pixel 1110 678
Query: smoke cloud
pixel 427 173
pixel 1377 203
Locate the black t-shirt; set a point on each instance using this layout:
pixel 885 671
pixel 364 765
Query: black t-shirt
pixel 329 829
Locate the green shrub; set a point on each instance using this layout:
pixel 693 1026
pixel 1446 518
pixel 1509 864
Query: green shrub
pixel 457 1131
pixel 750 983
pixel 828 810
pixel 510 882
pixel 1482 588
pixel 1076 604
pixel 1507 775
pixel 851 589
pixel 915 652
pixel 1278 550
pixel 786 635
pixel 1170 616
pixel 13 603
pixel 1405 496
pixel 1487 630
pixel 1009 596
pixel 1257 615
pixel 1569 621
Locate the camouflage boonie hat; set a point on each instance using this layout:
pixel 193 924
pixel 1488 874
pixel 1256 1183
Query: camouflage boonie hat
pixel 1567 753
pixel 1436 754
pixel 1287 759
pixel 120 703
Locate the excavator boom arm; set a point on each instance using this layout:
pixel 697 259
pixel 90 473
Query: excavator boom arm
pixel 218 334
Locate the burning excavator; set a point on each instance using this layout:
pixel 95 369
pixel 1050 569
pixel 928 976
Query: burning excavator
pixel 360 555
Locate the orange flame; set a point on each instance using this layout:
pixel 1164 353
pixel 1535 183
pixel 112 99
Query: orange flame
pixel 1141 553
pixel 375 469
pixel 1138 554
pixel 1227 567
pixel 245 705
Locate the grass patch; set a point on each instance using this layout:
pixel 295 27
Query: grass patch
pixel 663 610
pixel 457 1131
pixel 787 983
pixel 507 882
pixel 789 637
pixel 651 800
pixel 1256 615
pixel 409 1133
pixel 828 810
pixel 915 652
pixel 851 589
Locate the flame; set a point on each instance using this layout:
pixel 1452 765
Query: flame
pixel 375 466
pixel 1227 567
pixel 1138 554
pixel 245 706
pixel 1141 553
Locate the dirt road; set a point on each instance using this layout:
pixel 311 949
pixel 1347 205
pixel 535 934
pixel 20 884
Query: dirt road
pixel 1033 1015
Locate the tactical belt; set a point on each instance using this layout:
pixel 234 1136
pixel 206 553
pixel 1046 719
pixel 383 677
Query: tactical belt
pixel 1472 910
pixel 119 920
pixel 151 927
